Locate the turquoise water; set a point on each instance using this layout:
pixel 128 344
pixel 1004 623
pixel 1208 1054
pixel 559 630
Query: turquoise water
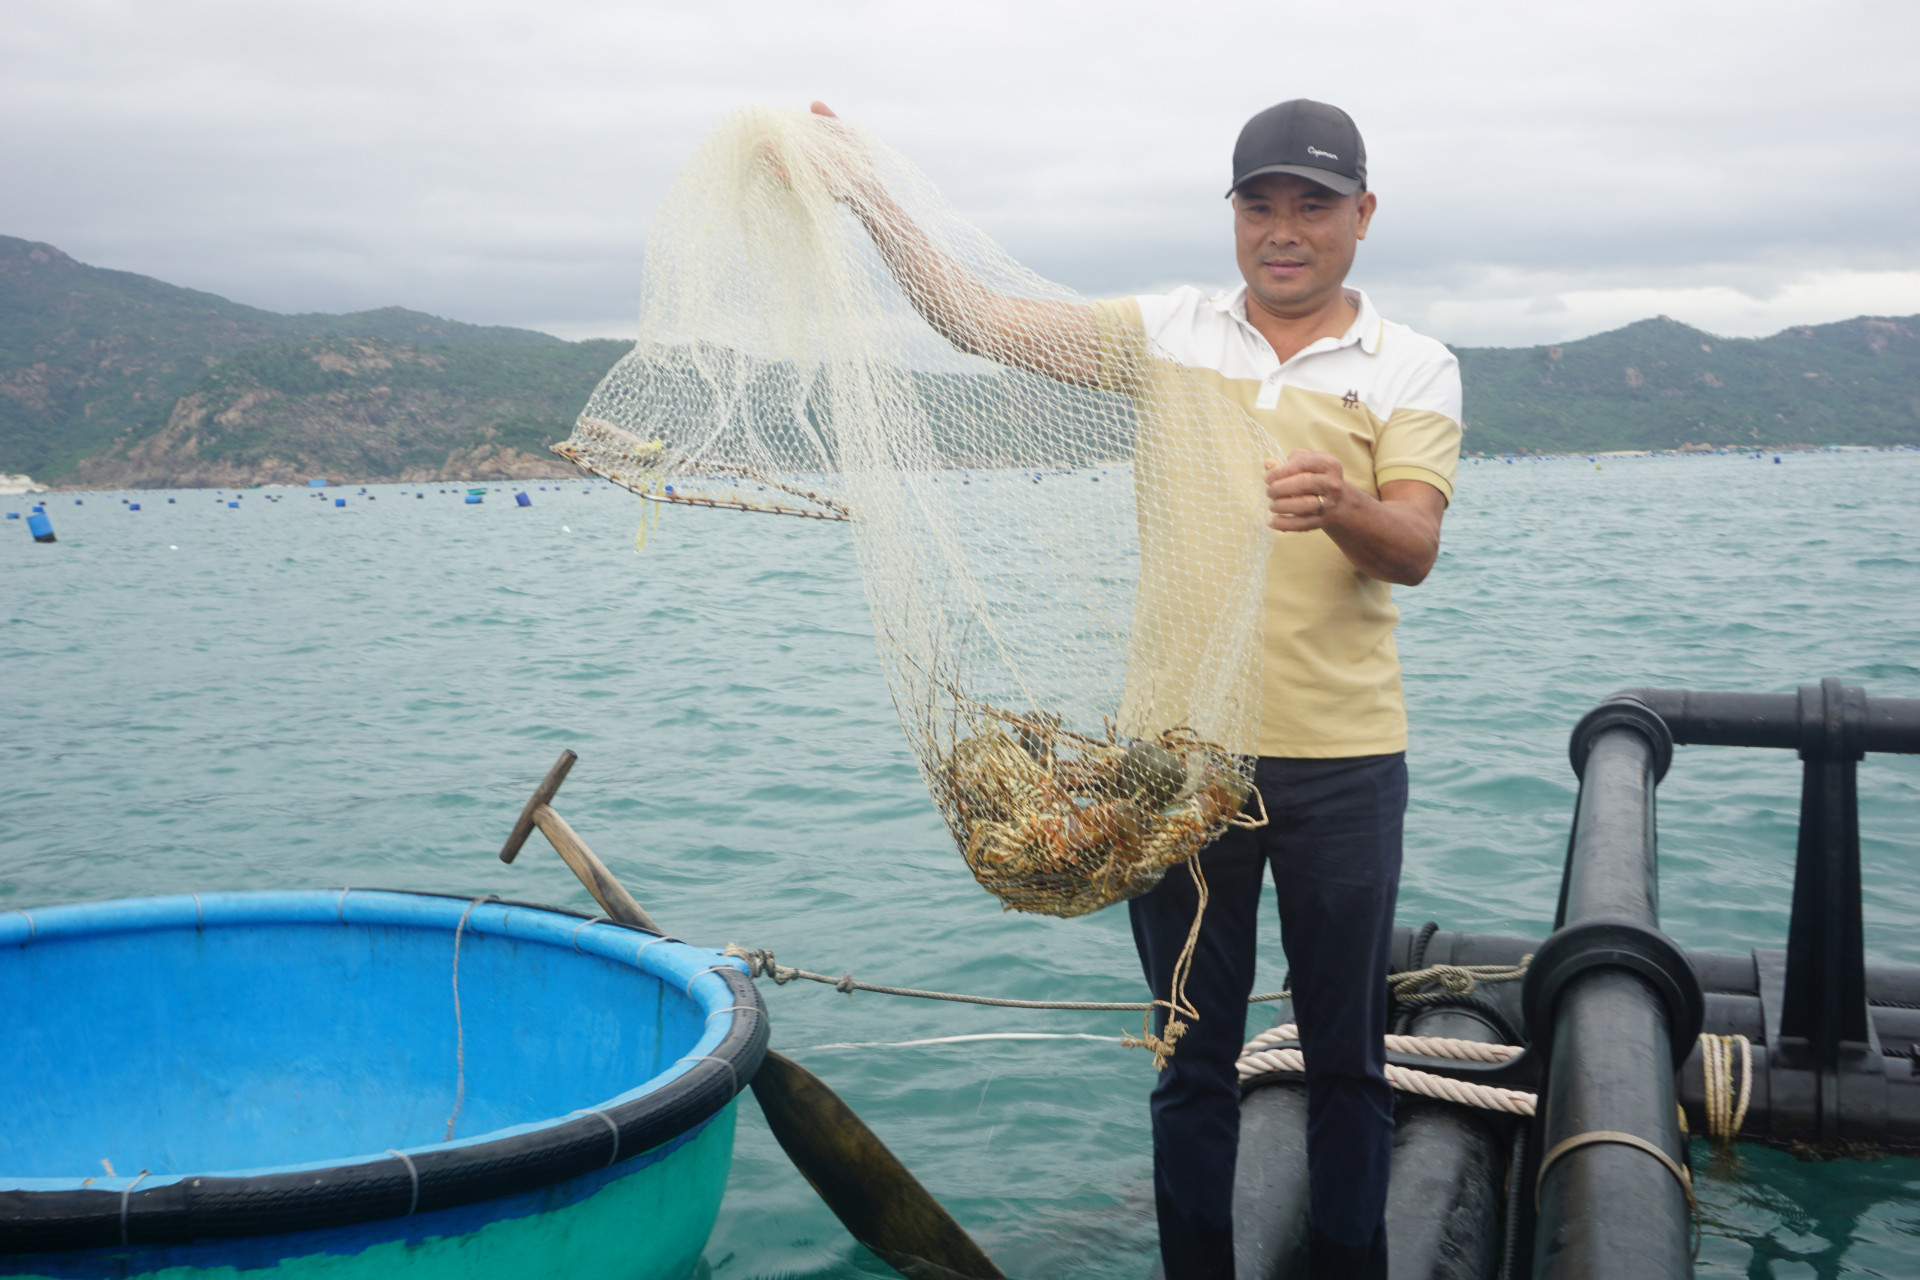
pixel 290 695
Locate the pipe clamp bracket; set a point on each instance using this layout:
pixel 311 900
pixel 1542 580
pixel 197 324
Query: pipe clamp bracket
pixel 1620 944
pixel 1622 710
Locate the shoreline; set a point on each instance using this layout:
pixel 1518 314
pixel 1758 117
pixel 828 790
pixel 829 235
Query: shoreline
pixel 17 486
pixel 1703 452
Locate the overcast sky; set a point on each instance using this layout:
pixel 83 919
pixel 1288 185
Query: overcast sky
pixel 1544 171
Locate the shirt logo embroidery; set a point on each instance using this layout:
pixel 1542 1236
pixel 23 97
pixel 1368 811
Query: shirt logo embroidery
pixel 1351 400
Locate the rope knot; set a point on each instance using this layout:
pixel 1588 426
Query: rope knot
pixel 760 963
pixel 1453 979
pixel 845 985
pixel 1160 1046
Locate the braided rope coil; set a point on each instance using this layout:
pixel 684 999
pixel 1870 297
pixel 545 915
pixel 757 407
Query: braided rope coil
pixel 1423 1046
pixel 1487 1097
pixel 1264 1053
pixel 1725 1112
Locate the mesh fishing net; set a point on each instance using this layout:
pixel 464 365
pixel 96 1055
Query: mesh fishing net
pixel 1061 533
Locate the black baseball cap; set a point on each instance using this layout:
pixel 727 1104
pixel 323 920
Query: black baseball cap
pixel 1308 139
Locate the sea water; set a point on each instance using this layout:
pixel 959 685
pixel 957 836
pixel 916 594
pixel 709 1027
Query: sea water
pixel 290 694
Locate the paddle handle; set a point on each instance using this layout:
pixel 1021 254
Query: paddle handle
pixel 542 795
pixel 606 890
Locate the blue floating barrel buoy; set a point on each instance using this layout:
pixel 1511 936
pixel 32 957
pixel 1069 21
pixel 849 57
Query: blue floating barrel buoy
pixel 40 527
pixel 1776 458
pixel 473 499
pixel 521 499
pixel 233 504
pixel 76 502
pixel 419 495
pixel 133 506
pixel 169 499
pixel 339 502
pixel 13 515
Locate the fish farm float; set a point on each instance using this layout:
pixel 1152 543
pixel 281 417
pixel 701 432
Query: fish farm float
pixel 253 1083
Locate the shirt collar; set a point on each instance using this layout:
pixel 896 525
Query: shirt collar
pixel 1366 331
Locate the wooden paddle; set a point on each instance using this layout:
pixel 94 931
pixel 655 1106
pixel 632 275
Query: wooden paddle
pixel 869 1190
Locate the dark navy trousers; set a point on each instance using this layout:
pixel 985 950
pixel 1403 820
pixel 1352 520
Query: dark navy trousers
pixel 1333 842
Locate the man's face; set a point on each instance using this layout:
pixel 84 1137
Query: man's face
pixel 1295 241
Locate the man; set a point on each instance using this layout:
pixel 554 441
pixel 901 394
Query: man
pixel 1366 414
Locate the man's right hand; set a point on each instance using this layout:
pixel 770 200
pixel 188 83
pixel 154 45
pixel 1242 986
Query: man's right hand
pixel 849 173
pixel 1056 340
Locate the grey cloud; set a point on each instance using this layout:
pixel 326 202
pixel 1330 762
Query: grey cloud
pixel 498 162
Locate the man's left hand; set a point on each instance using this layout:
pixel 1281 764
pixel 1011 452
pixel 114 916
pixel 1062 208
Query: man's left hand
pixel 1394 537
pixel 1307 491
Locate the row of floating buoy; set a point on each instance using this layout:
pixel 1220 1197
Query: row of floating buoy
pixel 40 525
pixel 1510 458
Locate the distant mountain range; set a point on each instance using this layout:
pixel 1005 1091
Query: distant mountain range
pixel 110 379
pixel 1660 384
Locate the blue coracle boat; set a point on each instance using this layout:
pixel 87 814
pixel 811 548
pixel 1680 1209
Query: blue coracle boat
pixel 346 1083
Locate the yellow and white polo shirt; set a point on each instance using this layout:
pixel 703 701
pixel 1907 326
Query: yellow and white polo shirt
pixel 1385 401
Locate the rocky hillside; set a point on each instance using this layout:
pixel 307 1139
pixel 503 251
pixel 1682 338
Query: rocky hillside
pixel 107 378
pixel 362 409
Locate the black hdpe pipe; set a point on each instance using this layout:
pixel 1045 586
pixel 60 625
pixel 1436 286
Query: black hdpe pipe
pixel 1611 995
pixel 1443 1197
pixel 1837 1069
pixel 1270 1181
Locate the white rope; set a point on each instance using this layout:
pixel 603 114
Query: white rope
pixel 459 1024
pixel 1259 1056
pixel 413 1175
pixel 1423 1046
pixel 978 1037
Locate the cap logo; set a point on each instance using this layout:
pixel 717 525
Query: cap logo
pixel 1324 155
